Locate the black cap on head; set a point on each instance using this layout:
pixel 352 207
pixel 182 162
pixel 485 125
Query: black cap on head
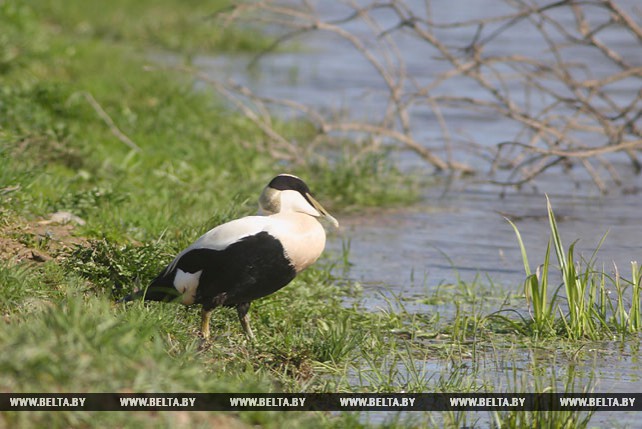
pixel 286 182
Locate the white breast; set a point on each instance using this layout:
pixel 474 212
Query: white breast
pixel 302 237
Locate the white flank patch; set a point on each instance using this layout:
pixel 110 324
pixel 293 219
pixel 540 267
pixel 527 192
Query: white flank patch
pixel 186 284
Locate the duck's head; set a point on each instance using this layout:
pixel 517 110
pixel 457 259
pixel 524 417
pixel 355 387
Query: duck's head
pixel 287 193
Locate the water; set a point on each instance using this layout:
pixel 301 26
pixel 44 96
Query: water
pixel 458 229
pixel 457 226
pixel 464 231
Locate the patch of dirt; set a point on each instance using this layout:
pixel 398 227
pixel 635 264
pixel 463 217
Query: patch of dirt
pixel 37 241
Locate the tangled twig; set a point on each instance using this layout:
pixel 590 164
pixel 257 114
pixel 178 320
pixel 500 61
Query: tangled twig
pixel 564 108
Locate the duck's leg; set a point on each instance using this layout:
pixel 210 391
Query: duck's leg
pixel 242 310
pixel 206 315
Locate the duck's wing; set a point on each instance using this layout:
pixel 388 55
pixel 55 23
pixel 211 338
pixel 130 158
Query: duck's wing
pixel 233 263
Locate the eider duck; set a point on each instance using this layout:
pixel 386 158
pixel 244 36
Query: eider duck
pixel 247 258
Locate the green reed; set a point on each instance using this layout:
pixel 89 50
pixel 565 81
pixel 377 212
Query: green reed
pixel 587 302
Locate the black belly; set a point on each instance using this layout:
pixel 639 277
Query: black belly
pixel 250 268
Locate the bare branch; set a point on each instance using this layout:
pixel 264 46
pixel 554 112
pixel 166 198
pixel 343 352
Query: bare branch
pixel 110 123
pixel 563 109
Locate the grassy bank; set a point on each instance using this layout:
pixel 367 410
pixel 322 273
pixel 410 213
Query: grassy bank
pixel 147 164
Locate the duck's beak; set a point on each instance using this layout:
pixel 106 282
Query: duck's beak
pixel 323 211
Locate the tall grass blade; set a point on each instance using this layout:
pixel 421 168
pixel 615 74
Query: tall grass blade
pixel 522 248
pixel 634 315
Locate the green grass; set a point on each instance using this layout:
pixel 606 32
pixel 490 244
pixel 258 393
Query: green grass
pixel 187 26
pixel 150 164
pixel 57 87
pixel 550 383
pixel 86 345
pixel 594 304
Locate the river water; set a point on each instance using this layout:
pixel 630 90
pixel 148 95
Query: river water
pixel 458 228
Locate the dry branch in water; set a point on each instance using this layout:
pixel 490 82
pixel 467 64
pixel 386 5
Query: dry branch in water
pixel 567 98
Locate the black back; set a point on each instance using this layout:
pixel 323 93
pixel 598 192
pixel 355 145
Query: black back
pixel 250 268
